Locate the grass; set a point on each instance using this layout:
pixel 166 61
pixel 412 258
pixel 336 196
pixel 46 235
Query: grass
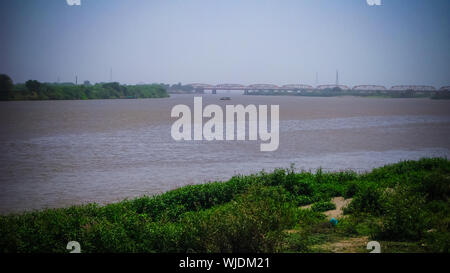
pixel 404 206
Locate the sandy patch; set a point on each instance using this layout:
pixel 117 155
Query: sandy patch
pixel 351 245
pixel 340 203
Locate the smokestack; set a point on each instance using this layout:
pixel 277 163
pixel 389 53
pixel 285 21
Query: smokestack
pixel 337 77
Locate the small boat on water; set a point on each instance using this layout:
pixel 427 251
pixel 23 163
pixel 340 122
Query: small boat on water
pixel 225 98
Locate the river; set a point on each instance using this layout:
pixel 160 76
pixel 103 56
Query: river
pixel 61 153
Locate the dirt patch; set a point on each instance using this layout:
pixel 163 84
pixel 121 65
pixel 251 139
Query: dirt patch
pixel 350 245
pixel 306 207
pixel 340 203
pixel 290 231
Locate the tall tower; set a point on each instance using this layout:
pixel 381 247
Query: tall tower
pixel 110 75
pixel 76 79
pixel 337 77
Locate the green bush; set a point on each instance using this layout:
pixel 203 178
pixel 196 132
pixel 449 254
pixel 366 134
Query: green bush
pixel 351 190
pixel 436 186
pixel 192 198
pixel 361 224
pixel 303 200
pixel 307 217
pixel 254 222
pixel 323 206
pixel 438 242
pixel 304 187
pixel 368 199
pixel 405 217
pixel 297 242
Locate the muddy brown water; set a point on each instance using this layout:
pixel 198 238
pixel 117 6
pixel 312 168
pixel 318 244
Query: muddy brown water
pixel 61 153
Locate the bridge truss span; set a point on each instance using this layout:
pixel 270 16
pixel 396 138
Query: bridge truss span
pixel 332 86
pixel 369 87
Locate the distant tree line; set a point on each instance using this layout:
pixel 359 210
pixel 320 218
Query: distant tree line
pixel 35 90
pixel 335 92
pixel 179 88
pixel 442 95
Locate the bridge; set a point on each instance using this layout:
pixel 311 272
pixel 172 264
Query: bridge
pixel 369 88
pixel 332 86
pixel 201 87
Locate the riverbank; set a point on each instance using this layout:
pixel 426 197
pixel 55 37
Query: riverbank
pixel 404 206
pixel 35 90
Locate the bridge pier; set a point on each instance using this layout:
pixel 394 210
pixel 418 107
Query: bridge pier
pixel 214 91
pixel 200 91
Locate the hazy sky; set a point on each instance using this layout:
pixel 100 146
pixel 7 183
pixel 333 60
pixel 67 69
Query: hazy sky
pixel 227 41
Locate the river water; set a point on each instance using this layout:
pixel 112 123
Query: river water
pixel 61 153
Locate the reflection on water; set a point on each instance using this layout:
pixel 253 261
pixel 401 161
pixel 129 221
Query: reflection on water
pixel 58 153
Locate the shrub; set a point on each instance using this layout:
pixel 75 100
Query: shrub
pixel 254 222
pixel 323 206
pixel 435 185
pixel 303 200
pixel 174 203
pixel 405 217
pixel 304 187
pixel 438 242
pixel 368 199
pixel 359 224
pixel 351 190
pixel 307 217
pixel 297 242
